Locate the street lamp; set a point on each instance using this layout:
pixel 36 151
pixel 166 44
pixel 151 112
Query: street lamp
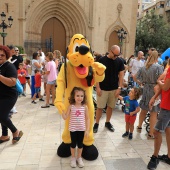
pixel 121 35
pixel 4 26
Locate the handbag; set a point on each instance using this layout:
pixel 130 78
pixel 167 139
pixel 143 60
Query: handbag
pixel 19 86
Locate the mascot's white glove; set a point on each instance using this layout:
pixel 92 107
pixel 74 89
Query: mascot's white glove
pixel 60 106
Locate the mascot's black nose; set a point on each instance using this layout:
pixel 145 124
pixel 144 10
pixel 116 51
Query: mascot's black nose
pixel 83 49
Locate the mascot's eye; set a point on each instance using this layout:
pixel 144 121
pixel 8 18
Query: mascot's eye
pixel 77 49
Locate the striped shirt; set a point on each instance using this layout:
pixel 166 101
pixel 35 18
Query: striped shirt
pixel 77 119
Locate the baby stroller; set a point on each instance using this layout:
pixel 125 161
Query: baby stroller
pixel 147 122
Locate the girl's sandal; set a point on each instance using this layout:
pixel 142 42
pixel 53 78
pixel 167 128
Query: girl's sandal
pixel 139 129
pixel 16 139
pixel 150 137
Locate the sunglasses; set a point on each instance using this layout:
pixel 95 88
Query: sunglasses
pixel 2 55
pixel 114 54
pixel 16 50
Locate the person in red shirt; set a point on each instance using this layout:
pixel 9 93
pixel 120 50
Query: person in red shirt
pixel 163 122
pixel 37 87
pixel 21 76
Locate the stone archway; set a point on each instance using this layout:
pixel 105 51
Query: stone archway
pixel 69 13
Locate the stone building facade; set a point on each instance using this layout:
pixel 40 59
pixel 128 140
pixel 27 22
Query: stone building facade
pixel 51 23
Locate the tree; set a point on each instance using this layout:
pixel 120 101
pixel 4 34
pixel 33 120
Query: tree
pixel 152 31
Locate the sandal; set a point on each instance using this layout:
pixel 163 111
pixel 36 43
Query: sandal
pixel 34 102
pixel 45 106
pixel 139 129
pixel 16 139
pixel 150 136
pixel 1 141
pixel 51 104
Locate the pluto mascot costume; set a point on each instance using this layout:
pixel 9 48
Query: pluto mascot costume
pixel 81 71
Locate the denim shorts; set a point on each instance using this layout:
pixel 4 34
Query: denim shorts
pixel 37 89
pixel 51 82
pixel 163 121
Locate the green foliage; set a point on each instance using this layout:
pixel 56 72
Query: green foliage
pixel 152 31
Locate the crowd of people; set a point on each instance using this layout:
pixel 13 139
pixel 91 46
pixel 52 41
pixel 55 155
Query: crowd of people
pixel 149 78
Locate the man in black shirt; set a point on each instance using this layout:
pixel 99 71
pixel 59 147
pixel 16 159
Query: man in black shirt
pixel 16 59
pixel 109 89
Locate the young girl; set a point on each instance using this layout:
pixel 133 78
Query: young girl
pixel 79 123
pixel 131 109
pixel 21 76
pixel 27 67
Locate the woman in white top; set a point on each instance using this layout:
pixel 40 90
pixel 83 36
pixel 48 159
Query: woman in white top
pixel 35 66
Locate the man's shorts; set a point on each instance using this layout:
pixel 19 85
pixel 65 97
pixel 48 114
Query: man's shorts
pixel 163 121
pixel 51 82
pixel 37 89
pixel 107 97
pixel 130 119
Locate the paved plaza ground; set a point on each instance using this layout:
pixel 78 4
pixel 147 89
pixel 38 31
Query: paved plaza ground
pixel 42 135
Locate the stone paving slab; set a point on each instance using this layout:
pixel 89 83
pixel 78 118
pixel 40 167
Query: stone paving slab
pixel 123 164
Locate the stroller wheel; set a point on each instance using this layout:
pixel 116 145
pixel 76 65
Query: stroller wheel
pixel 147 119
pixel 123 108
pixel 148 128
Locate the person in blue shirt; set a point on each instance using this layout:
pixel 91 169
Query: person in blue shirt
pixel 160 61
pixel 131 109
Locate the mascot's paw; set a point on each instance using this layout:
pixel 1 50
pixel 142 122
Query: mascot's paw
pixel 90 153
pixel 64 150
pixel 60 106
pixel 99 68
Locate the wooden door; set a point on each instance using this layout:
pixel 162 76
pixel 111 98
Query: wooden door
pixel 53 36
pixel 113 39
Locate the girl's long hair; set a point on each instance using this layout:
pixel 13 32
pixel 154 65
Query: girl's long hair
pixel 151 59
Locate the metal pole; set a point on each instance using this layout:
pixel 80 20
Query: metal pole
pixel 3 32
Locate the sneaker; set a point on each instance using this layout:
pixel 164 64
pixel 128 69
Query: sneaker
pixel 95 127
pixel 73 162
pixel 125 134
pixel 153 163
pixel 109 126
pixel 41 99
pixel 80 162
pixel 130 136
pixel 164 158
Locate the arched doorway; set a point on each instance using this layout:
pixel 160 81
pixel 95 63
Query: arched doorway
pixel 113 39
pixel 53 35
